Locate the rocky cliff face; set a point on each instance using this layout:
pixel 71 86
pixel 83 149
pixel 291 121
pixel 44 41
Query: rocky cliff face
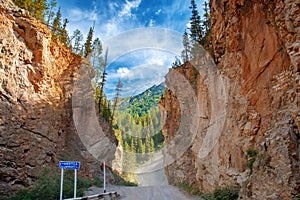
pixel 256 45
pixel 36 85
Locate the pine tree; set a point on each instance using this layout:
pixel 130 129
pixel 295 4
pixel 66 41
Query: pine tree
pixel 151 128
pixel 140 148
pixel 177 63
pixel 88 43
pixel 38 9
pixel 132 155
pixel 56 25
pixel 105 109
pixel 119 137
pixel 148 143
pixel 185 55
pixel 97 59
pixel 207 40
pixel 206 21
pixel 25 4
pixel 103 77
pixel 78 37
pixel 118 90
pixel 49 13
pixel 195 21
pixel 126 155
pixel 152 144
pixel 132 145
pixel 63 35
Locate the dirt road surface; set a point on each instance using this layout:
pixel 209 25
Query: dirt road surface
pixel 153 184
pixel 162 192
pixel 152 172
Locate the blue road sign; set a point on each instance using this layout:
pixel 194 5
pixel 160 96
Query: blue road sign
pixel 69 165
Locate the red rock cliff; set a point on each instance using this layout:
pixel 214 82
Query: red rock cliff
pixel 256 45
pixel 36 88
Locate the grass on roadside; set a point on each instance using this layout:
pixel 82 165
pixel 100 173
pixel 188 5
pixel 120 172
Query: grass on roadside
pixel 229 193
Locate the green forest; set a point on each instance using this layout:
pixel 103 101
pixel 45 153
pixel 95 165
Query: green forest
pixel 137 124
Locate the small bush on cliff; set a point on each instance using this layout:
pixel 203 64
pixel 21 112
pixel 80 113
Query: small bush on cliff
pixel 189 188
pixel 252 154
pixel 223 194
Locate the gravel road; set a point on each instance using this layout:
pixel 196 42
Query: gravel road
pixel 153 185
pixel 162 192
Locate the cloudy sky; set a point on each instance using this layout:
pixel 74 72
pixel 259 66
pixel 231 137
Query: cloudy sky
pixel 142 36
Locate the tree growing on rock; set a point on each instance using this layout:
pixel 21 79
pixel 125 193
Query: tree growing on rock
pixel 195 21
pixel 49 13
pixel 78 38
pixel 88 43
pixel 186 53
pixel 118 90
pixel 36 8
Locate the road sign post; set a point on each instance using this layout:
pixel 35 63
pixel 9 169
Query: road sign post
pixel 75 182
pixel 61 183
pixel 72 165
pixel 104 177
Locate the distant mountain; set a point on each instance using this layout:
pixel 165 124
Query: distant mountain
pixel 143 102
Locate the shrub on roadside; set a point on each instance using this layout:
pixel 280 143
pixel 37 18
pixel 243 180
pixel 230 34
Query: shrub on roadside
pixel 47 186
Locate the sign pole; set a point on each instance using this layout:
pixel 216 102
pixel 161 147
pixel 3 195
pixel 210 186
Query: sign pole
pixel 73 165
pixel 104 178
pixel 61 183
pixel 75 182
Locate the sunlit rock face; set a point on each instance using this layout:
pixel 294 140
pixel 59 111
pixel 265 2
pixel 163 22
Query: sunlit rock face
pixel 256 51
pixel 36 87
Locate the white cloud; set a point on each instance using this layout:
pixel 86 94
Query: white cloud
pixel 188 25
pixel 77 14
pixel 128 6
pixel 111 28
pixel 142 77
pixel 113 6
pixel 158 12
pixel 144 38
pixel 123 71
pixel 144 68
pixel 151 23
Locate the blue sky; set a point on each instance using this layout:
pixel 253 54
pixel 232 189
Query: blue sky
pixel 141 64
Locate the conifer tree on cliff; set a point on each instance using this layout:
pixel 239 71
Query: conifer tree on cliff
pixel 185 54
pixel 25 4
pixel 63 35
pixel 88 43
pixel 206 21
pixel 78 37
pixel 49 13
pixel 56 25
pixel 96 57
pixel 101 106
pixel 118 90
pixel 36 8
pixel 195 21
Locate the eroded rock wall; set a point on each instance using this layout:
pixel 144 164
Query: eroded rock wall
pixel 256 45
pixel 36 84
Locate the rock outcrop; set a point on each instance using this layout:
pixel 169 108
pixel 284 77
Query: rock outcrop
pixel 256 46
pixel 36 87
